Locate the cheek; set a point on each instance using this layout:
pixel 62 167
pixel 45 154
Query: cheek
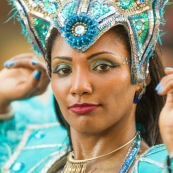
pixel 118 88
pixel 60 88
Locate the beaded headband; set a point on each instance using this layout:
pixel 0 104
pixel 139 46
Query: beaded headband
pixel 82 22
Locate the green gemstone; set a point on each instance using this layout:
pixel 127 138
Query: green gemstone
pixel 139 25
pixel 42 28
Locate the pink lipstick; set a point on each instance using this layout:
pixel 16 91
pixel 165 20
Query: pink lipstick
pixel 82 109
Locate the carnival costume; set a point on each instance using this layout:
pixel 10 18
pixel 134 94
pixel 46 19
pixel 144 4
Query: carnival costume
pixel 29 133
pixel 82 23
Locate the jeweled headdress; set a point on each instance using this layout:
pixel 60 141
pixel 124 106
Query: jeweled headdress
pixel 82 22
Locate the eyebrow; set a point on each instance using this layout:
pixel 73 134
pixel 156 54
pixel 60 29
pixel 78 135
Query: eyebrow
pixel 88 58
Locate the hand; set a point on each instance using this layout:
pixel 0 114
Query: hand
pixel 165 87
pixel 23 77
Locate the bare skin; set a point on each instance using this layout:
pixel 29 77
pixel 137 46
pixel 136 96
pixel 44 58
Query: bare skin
pixel 166 116
pixel 78 78
pixel 19 81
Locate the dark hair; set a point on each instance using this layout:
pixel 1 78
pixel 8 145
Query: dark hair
pixel 149 107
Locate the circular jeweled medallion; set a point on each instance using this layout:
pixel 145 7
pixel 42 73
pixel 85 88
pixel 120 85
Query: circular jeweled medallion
pixel 79 29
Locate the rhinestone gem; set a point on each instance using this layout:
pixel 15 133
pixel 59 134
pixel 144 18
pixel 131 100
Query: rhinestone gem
pixel 39 135
pixel 139 25
pixel 17 167
pixel 79 29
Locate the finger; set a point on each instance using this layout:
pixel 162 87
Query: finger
pixel 44 81
pixel 23 56
pixel 169 99
pixel 27 63
pixel 30 86
pixel 169 70
pixel 165 80
pixel 164 88
pixel 34 65
pixel 43 84
pixel 39 65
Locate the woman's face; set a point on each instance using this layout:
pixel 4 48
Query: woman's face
pixel 93 88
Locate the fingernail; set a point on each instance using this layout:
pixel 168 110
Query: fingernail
pixel 34 62
pixel 37 74
pixel 158 86
pixel 160 89
pixel 168 68
pixel 8 64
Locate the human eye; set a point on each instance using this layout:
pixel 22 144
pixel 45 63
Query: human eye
pixel 62 70
pixel 103 66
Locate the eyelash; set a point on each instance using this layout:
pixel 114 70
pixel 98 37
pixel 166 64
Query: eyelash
pixel 66 70
pixel 104 65
pixel 59 71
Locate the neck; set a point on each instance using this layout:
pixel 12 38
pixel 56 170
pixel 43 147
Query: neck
pixel 88 145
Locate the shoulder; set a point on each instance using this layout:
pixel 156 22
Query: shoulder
pixel 152 161
pixel 39 145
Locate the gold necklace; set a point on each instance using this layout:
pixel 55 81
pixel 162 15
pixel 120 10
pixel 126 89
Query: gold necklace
pixel 79 166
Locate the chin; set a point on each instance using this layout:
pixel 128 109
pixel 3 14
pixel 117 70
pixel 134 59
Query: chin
pixel 87 126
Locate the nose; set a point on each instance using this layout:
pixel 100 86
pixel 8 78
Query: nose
pixel 81 84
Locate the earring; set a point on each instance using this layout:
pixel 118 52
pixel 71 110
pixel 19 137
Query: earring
pixel 139 94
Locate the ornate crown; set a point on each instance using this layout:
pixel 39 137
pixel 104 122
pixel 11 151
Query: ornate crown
pixel 82 22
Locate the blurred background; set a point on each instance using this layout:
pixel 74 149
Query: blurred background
pixel 12 41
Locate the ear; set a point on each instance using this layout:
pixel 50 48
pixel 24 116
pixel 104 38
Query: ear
pixel 140 91
pixel 141 85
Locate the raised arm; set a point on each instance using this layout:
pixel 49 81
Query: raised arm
pixel 23 76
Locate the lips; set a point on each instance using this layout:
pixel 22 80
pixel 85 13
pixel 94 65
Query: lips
pixel 82 109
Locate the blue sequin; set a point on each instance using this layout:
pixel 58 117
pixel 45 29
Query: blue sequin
pixel 39 135
pixel 99 10
pixel 18 167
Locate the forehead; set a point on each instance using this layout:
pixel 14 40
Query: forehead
pixel 111 41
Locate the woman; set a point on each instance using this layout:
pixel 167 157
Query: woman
pixel 98 76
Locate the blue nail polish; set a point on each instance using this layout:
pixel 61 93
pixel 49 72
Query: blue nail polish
pixel 5 64
pixel 160 89
pixel 8 64
pixel 34 62
pixel 168 68
pixel 158 86
pixel 37 74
